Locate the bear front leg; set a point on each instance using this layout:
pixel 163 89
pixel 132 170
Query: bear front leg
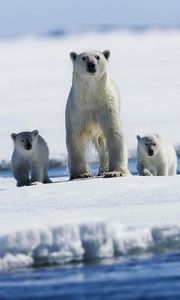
pixel 46 178
pixel 76 147
pixel 142 170
pixel 103 155
pixel 21 173
pixel 36 172
pixel 117 153
pixel 163 170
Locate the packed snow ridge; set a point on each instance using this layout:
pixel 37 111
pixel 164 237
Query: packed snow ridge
pixel 63 244
pixel 86 219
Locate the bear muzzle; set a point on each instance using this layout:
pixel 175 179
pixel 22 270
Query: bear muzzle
pixel 150 152
pixel 91 67
pixel 28 146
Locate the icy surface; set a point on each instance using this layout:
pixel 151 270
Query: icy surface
pixel 96 218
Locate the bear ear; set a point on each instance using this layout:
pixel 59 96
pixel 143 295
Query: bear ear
pixel 73 56
pixel 35 132
pixel 13 136
pixel 138 137
pixel 106 54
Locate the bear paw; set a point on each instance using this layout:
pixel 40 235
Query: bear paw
pixel 80 176
pixel 117 173
pixel 146 172
pixel 101 174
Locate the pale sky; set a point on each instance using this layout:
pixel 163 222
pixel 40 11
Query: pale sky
pixel 39 16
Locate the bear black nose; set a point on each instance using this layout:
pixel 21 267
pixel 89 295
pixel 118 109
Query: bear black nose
pixel 28 146
pixel 91 67
pixel 150 152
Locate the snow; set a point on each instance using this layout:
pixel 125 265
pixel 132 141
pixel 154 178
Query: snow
pixel 95 218
pixel 66 221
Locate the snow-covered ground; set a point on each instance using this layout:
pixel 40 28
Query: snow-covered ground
pixel 68 221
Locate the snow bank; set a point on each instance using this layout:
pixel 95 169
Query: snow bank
pixel 85 219
pixel 68 243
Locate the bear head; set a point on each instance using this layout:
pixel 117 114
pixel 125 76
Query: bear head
pixel 148 144
pixel 25 141
pixel 92 63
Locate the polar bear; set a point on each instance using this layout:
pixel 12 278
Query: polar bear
pixel 30 154
pixel 92 116
pixel 155 156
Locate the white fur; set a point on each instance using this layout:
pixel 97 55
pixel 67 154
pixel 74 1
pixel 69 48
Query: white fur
pixel 163 162
pixel 34 160
pixel 92 115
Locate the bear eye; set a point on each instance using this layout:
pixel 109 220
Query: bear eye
pixel 146 144
pixel 22 141
pixel 83 58
pixel 154 144
pixel 97 57
pixel 31 140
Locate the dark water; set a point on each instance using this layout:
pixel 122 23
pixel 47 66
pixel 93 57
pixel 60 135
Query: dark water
pixel 62 171
pixel 154 278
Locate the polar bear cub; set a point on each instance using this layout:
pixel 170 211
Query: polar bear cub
pixel 155 156
pixel 92 116
pixel 30 156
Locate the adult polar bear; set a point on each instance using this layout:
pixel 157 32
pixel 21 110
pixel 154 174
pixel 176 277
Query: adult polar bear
pixel 92 115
